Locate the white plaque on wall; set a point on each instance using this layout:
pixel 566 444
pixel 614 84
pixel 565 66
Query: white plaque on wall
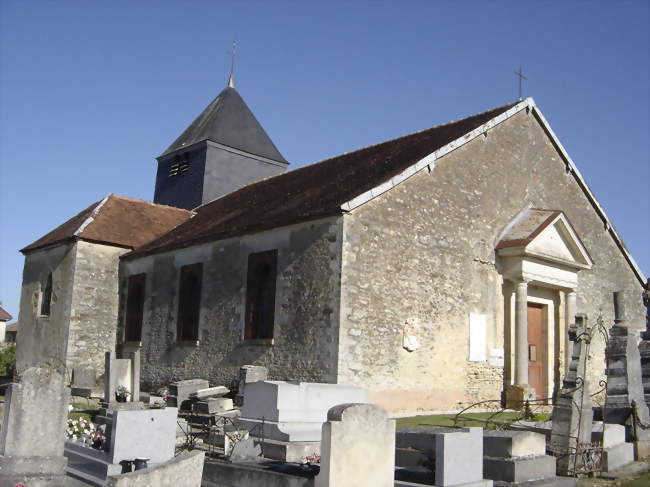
pixel 496 357
pixel 477 339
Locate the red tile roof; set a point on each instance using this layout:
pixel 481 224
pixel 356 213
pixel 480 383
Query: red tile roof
pixel 116 220
pixel 4 316
pixel 12 327
pixel 312 191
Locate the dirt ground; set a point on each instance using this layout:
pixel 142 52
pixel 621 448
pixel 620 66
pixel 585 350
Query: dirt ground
pixel 635 475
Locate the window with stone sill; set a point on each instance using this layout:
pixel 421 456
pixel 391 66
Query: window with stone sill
pixel 46 296
pixel 189 303
pixel 260 297
pixel 135 308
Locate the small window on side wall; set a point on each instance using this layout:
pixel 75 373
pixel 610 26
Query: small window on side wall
pixel 135 307
pixel 260 295
pixel 46 298
pixel 189 303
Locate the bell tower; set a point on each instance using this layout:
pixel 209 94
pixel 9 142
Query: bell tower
pixel 223 149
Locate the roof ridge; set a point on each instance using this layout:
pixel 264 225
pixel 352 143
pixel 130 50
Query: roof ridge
pixel 139 200
pixel 322 161
pixel 410 134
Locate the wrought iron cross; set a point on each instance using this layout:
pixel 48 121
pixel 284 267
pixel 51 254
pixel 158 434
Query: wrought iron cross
pixel 521 76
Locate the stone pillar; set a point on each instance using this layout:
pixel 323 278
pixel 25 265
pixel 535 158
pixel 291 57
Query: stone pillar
pixel 570 316
pixel 572 412
pixel 521 333
pixel 357 447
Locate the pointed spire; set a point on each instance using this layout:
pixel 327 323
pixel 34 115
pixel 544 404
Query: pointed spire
pixel 233 53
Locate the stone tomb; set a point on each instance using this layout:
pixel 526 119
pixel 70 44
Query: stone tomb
pixel 121 372
pixel 289 415
pixel 145 433
pixel 440 456
pixel 247 374
pixel 516 457
pixel 180 392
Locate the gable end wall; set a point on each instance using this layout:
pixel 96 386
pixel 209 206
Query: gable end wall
pixel 423 253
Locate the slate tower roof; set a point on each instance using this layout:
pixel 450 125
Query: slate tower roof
pixel 227 120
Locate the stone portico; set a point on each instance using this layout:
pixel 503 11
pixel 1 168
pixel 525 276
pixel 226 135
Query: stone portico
pixel 540 256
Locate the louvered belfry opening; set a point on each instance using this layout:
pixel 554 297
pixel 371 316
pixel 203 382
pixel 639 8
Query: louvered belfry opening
pixel 260 295
pixel 189 302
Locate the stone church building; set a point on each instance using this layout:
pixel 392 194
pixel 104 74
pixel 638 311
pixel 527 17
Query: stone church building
pixel 435 269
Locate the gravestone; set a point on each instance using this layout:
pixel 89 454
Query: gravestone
pixel 572 413
pixel 248 374
pixel 624 381
pixel 121 372
pixel 644 346
pixel 36 405
pixel 358 447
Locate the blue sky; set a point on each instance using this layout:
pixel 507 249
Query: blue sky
pixel 91 92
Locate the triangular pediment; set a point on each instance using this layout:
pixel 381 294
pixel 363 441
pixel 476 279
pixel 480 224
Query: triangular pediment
pixel 545 235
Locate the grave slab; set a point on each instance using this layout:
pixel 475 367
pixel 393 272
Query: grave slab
pixel 297 401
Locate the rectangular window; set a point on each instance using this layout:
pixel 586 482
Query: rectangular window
pixel 135 307
pixel 46 298
pixel 189 302
pixel 260 295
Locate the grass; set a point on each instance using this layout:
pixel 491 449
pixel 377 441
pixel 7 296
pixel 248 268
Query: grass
pixel 469 419
pixel 83 410
pixel 642 481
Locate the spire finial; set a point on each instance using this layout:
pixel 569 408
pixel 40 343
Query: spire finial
pixel 233 53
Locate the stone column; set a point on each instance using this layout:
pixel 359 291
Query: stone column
pixel 570 316
pixel 521 333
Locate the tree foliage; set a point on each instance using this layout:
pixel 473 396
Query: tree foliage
pixel 7 360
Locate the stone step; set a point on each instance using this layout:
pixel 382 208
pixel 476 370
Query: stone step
pixel 617 456
pixel 509 444
pixel 520 469
pixel 289 451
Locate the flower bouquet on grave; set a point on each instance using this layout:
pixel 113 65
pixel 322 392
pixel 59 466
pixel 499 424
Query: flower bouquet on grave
pixel 79 429
pixel 121 393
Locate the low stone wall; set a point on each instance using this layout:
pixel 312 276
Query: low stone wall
pixel 221 474
pixel 185 470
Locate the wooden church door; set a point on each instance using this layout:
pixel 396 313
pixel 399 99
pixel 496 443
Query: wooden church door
pixel 537 357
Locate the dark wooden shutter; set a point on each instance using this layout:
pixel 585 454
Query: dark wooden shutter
pixel 189 302
pixel 135 307
pixel 260 294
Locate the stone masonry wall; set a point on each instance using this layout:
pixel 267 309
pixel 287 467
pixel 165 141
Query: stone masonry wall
pixel 306 318
pixel 421 256
pixel 43 339
pixel 93 317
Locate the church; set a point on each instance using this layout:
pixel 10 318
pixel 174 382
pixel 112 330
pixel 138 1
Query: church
pixel 437 269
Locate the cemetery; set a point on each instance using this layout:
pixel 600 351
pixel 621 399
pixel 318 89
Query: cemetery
pixel 261 432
